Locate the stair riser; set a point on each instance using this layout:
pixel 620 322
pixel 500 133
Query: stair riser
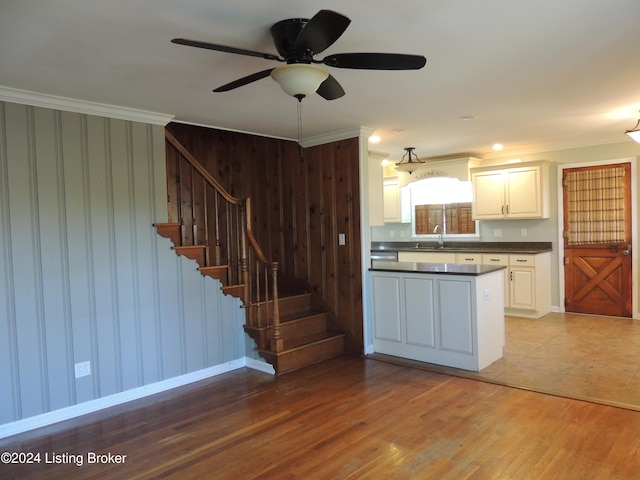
pixel 291 305
pixel 314 353
pixel 304 326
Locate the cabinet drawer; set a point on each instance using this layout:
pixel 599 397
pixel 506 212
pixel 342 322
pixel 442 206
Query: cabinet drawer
pixel 522 260
pixel 427 257
pixel 495 259
pixel 469 258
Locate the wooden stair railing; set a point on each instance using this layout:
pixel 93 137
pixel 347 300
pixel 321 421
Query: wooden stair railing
pixel 211 226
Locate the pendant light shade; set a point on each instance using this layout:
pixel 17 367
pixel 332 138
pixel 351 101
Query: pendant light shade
pixel 635 132
pixel 410 162
pixel 299 79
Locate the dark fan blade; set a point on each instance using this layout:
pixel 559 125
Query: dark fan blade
pixel 244 81
pixel 322 31
pixel 376 61
pixel 330 89
pixel 224 48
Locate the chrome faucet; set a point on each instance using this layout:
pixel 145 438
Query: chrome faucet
pixel 440 238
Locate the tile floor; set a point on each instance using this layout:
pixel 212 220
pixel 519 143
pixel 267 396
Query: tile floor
pixel 585 357
pixel 582 356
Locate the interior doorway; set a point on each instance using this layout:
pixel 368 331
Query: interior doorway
pixel 597 239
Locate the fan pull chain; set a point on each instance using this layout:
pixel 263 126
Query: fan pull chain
pixel 300 124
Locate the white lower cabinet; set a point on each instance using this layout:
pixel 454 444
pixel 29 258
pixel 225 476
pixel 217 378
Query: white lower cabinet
pixel 523 288
pixel 527 288
pixel 446 319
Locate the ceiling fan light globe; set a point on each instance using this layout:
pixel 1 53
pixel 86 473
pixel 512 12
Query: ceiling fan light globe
pixel 299 78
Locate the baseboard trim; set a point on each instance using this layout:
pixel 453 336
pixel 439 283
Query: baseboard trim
pixel 67 413
pixel 261 366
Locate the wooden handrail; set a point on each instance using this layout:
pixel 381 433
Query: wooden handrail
pixel 201 170
pixel 252 240
pixel 246 259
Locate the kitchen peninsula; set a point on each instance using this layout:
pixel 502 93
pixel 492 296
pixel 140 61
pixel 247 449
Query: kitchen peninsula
pixel 446 314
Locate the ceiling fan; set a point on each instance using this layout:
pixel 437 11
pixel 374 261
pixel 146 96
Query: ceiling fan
pixel 297 41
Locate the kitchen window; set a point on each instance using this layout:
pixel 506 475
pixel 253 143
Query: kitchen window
pixel 442 201
pixel 454 218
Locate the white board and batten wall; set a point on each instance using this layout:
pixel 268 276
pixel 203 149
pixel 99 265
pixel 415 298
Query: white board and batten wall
pixel 84 277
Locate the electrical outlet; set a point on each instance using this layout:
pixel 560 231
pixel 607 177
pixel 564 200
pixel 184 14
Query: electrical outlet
pixel 392 234
pixel 402 233
pixel 523 232
pixel 497 232
pixel 83 369
pixel 341 239
pixel 487 294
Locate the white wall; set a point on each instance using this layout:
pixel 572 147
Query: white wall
pixel 83 274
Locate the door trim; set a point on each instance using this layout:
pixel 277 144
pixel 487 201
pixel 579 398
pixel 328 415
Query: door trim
pixel 634 227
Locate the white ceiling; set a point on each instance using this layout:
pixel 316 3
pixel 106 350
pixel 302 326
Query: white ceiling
pixel 534 74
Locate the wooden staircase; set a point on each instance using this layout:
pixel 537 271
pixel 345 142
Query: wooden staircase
pixel 306 327
pixel 289 323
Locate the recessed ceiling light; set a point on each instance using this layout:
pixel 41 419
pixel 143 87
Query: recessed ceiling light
pixel 374 138
pixel 497 147
pixel 466 118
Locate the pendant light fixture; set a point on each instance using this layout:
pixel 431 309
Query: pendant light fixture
pixel 635 132
pixel 410 161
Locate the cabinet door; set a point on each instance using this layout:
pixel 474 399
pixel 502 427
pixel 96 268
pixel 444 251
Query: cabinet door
pixel 523 193
pixel 392 207
pixel 522 286
pixel 488 195
pixel 419 312
pixel 386 308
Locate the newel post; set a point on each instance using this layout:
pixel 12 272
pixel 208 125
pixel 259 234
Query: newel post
pixel 276 339
pixel 244 259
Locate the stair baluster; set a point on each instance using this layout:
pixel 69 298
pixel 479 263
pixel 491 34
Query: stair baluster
pixel 206 213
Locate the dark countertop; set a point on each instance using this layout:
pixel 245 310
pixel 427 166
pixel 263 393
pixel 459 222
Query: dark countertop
pixel 470 247
pixel 437 268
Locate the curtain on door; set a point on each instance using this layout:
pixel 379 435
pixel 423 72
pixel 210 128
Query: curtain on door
pixel 595 209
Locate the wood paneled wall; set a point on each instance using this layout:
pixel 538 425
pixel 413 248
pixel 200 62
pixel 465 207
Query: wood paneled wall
pixel 301 205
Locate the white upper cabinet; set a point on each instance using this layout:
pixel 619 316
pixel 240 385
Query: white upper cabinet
pixel 511 192
pixel 397 204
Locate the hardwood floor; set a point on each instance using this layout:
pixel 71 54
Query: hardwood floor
pixel 347 418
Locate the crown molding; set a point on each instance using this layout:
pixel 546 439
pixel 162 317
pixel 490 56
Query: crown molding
pixel 34 99
pixel 336 136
